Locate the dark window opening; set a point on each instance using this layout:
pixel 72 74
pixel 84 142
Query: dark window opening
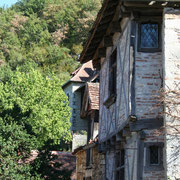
pixel 88 151
pixel 149 37
pixel 112 73
pixel 120 165
pixel 154 155
pixel 88 157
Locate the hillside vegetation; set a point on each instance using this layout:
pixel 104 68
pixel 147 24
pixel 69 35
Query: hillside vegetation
pixel 49 32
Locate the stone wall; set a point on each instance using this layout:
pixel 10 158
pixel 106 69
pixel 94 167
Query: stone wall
pixel 78 126
pixel 77 123
pixel 78 140
pixel 171 49
pixel 96 169
pixel 80 164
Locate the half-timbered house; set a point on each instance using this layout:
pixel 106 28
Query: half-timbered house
pixel 79 126
pixel 136 47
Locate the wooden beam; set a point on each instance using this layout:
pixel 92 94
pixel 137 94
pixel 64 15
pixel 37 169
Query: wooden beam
pixel 102 27
pixel 141 124
pixel 132 118
pixel 108 41
pixel 108 32
pixel 106 19
pixel 109 11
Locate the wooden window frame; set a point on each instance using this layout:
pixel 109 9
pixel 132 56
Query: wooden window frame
pixel 112 79
pixel 159 165
pixel 120 166
pixel 150 50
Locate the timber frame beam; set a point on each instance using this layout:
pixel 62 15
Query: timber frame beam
pixel 133 125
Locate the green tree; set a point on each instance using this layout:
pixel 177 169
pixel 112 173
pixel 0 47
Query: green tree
pixel 35 101
pixel 15 148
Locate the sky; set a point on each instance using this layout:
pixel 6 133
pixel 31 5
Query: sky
pixel 7 3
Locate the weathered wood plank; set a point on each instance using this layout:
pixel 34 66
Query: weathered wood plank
pixel 146 124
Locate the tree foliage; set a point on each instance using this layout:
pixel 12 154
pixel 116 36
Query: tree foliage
pixel 35 101
pixel 15 148
pixel 48 32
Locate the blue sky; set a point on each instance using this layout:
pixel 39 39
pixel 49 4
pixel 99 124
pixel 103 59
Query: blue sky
pixel 7 3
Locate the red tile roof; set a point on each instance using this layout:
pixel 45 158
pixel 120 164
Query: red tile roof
pixel 93 91
pixel 84 73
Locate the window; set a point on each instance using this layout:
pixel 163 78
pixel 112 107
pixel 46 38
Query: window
pixel 149 37
pixel 154 153
pixel 112 73
pixel 120 164
pixel 154 156
pixel 88 157
pixel 112 80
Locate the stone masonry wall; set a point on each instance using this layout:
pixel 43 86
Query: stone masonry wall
pixel 80 164
pixel 153 136
pixel 96 170
pixel 171 49
pixel 78 125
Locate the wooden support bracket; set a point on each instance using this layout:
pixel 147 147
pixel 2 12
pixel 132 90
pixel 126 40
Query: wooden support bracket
pixel 141 124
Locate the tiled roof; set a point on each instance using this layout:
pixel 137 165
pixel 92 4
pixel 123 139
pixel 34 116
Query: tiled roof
pixel 93 91
pixel 84 73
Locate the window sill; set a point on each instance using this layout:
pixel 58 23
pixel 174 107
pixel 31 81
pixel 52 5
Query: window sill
pixel 110 100
pixel 149 168
pixel 149 50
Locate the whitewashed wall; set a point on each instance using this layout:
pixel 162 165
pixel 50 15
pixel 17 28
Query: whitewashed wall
pixel 171 78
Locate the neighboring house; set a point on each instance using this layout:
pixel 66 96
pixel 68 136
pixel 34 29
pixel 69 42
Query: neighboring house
pixel 136 47
pixel 90 163
pixel 79 126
